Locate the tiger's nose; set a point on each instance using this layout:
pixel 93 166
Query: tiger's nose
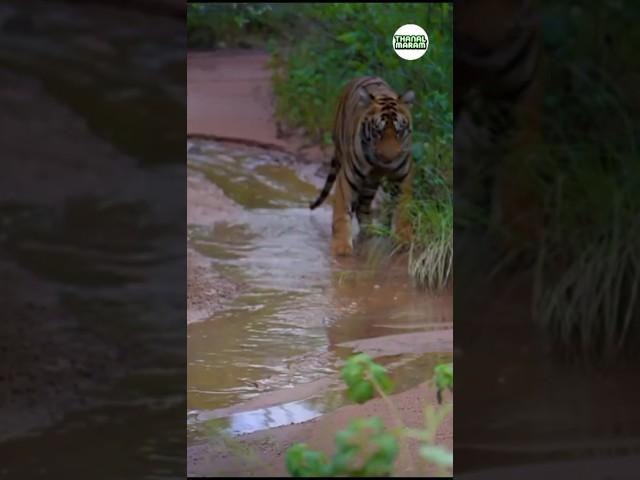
pixel 387 154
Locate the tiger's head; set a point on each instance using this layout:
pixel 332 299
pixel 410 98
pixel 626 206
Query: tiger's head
pixel 386 128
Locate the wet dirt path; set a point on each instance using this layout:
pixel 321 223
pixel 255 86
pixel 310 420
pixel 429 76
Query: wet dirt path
pixel 229 95
pixel 272 315
pixel 270 356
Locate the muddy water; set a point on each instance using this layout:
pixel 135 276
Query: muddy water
pixel 271 357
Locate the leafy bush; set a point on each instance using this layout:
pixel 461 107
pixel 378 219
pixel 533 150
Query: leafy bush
pixel 366 447
pixel 233 24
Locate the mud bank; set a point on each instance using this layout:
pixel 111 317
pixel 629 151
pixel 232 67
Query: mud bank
pixel 207 290
pixel 230 97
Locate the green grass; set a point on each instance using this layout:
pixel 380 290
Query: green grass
pixel 588 263
pixel 431 259
pixel 317 48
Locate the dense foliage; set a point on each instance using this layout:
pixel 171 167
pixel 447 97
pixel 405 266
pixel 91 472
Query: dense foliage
pixel 590 175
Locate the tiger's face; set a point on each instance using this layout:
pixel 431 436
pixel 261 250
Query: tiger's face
pixel 386 129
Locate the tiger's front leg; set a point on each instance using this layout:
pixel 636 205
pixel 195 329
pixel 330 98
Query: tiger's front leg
pixel 342 243
pixel 363 207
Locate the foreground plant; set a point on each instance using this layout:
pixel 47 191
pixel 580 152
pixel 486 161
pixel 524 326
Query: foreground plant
pixel 366 447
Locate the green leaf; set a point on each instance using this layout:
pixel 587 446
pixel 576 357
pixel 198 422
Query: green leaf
pixel 361 358
pixel 352 374
pixel 342 460
pixel 374 423
pixel 360 388
pixel 354 370
pixel 377 467
pixel 348 37
pixel 361 392
pixel 295 459
pixel 304 462
pixel 443 379
pixel 380 374
pixel 372 426
pixel 360 433
pixel 241 21
pixel 382 460
pixel 437 455
pixel 342 438
pixel 388 445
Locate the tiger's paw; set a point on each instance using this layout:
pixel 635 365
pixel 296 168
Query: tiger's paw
pixel 341 248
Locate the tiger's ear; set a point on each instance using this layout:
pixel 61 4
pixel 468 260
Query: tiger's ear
pixel 365 97
pixel 408 98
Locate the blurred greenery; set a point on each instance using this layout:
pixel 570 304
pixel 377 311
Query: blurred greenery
pixel 317 48
pixel 232 25
pixel 366 447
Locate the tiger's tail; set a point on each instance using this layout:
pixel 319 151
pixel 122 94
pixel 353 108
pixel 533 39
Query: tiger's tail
pixel 331 178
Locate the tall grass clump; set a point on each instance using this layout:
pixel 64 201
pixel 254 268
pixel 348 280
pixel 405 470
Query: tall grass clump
pixel 431 250
pixel 588 268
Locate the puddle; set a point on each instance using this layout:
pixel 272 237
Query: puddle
pixel 255 364
pixel 260 419
pixel 282 408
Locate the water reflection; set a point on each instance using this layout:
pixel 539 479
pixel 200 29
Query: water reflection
pixel 260 419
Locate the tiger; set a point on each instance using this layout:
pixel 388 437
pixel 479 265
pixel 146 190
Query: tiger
pixel 372 143
pixel 497 87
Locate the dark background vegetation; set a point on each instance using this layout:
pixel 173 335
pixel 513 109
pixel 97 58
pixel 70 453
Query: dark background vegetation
pixel 92 243
pixel 317 48
pixel 590 174
pixel 547 334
